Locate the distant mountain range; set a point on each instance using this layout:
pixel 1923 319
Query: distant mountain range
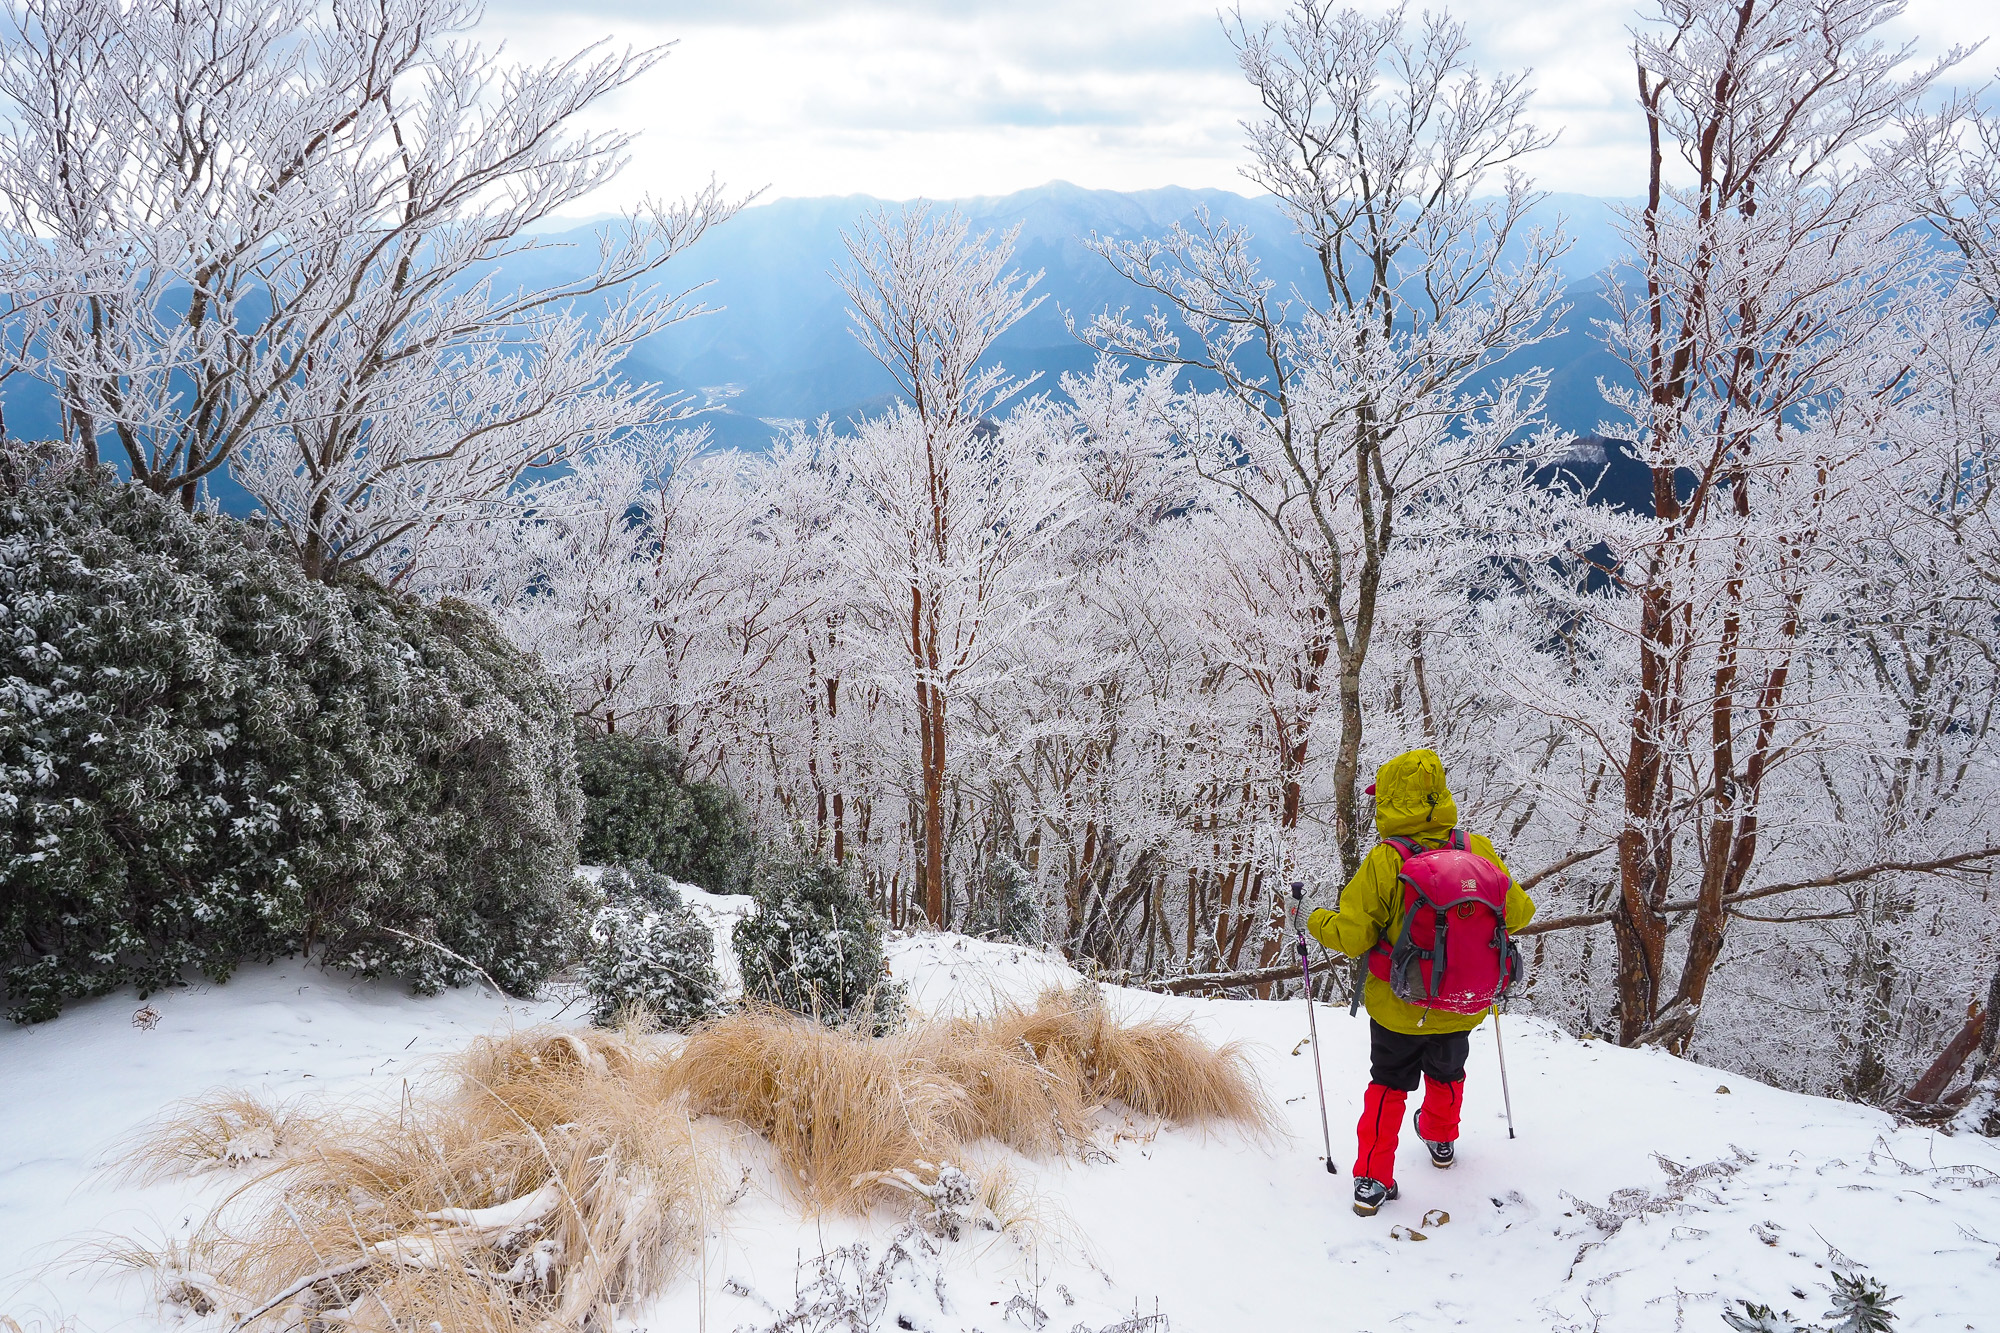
pixel 779 347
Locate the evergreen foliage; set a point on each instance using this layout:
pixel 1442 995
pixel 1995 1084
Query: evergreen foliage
pixel 814 945
pixel 640 809
pixel 1006 909
pixel 1860 1305
pixel 648 948
pixel 206 757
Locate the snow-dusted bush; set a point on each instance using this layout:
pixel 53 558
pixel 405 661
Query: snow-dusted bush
pixel 814 945
pixel 484 818
pixel 649 949
pixel 1006 907
pixel 639 808
pixel 206 757
pixel 1860 1305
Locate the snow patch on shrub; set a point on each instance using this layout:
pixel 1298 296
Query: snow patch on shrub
pixel 650 950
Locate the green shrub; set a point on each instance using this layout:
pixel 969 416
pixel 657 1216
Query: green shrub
pixel 1005 908
pixel 640 809
pixel 486 817
pixel 814 945
pixel 649 949
pixel 206 757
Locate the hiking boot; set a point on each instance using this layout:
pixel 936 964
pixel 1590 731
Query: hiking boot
pixel 1442 1154
pixel 1370 1195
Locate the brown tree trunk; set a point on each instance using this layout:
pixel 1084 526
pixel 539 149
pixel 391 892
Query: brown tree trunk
pixel 1079 884
pixel 86 434
pixel 1423 686
pixel 1347 768
pixel 932 714
pixel 1638 925
pixel 1937 1079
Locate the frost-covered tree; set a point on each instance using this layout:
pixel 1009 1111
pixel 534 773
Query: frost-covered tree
pixel 649 576
pixel 259 234
pixel 1762 317
pixel 1345 406
pixel 945 510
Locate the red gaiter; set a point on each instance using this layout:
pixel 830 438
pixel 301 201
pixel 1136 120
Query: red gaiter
pixel 1437 1118
pixel 1381 1119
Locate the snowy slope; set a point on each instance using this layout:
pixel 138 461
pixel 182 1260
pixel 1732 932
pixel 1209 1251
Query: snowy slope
pixel 73 1090
pixel 1215 1231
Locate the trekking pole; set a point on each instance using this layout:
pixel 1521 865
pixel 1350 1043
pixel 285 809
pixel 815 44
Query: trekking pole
pixel 1312 1023
pixel 1505 1100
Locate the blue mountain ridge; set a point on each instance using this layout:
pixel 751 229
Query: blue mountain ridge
pixel 781 348
pixel 778 345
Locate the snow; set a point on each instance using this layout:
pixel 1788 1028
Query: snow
pixel 1215 1229
pixel 720 911
pixel 74 1090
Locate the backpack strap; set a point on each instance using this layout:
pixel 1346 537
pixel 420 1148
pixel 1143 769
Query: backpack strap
pixel 1405 848
pixel 1409 847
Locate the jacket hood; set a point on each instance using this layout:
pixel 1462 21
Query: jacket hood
pixel 1411 800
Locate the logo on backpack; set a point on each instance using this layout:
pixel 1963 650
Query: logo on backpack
pixel 1451 950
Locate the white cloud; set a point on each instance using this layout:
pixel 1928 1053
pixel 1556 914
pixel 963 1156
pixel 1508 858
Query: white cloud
pixel 948 98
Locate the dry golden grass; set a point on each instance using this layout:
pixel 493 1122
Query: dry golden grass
pixel 545 1179
pixel 847 1113
pixel 221 1131
pixel 1030 1100
pixel 839 1107
pixel 44 1324
pixel 1157 1066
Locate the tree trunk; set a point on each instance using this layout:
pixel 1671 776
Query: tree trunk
pixel 1935 1080
pixel 1347 768
pixel 933 759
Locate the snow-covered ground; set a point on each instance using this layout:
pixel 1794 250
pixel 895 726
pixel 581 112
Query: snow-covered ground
pixel 1215 1230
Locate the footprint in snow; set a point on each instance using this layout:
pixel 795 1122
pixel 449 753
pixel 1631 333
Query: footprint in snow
pixel 1509 1210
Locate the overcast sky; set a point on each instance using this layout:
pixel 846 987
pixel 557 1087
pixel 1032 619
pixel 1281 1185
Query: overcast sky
pixel 949 98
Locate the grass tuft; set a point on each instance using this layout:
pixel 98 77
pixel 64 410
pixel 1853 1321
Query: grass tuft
pixel 1156 1066
pixel 847 1112
pixel 545 1180
pixel 542 1183
pixel 222 1131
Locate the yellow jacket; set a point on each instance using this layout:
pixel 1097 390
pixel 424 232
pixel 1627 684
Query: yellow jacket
pixel 1411 801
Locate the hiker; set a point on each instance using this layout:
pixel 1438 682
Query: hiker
pixel 1420 1022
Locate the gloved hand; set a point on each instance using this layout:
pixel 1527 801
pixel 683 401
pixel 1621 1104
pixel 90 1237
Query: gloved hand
pixel 1300 910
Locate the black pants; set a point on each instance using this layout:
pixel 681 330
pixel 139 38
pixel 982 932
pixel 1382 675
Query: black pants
pixel 1395 1059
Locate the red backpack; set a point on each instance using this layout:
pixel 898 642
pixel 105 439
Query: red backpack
pixel 1451 951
